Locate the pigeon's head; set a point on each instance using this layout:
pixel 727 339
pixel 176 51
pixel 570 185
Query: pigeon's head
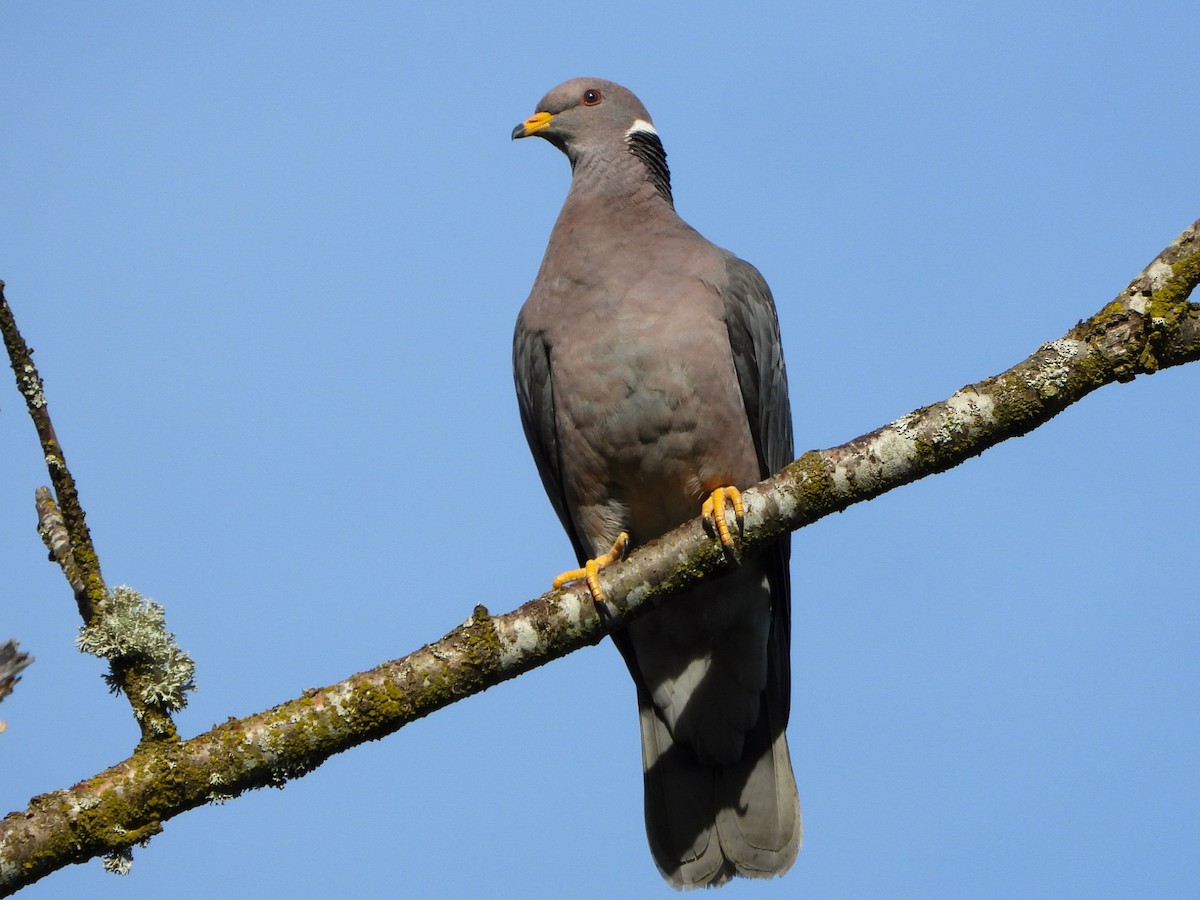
pixel 590 118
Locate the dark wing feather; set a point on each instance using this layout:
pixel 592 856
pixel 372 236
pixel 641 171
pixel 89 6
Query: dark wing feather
pixel 535 397
pixel 758 358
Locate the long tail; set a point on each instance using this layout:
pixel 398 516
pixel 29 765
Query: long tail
pixel 708 823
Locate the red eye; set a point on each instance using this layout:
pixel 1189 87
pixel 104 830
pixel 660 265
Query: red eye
pixel 591 97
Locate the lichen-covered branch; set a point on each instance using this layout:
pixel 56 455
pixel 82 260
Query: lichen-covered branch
pixel 1150 326
pixel 64 528
pixel 132 634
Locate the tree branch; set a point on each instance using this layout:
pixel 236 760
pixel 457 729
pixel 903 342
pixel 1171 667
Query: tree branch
pixel 64 528
pixel 91 593
pixel 1149 326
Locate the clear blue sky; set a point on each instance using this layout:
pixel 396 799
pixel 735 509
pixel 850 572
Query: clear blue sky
pixel 270 256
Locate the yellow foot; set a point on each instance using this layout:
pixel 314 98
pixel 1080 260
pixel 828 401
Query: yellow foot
pixel 591 569
pixel 714 511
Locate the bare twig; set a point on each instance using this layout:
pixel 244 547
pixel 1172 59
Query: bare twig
pixel 1149 326
pixel 53 530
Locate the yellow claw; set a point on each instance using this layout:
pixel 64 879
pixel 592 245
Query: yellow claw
pixel 592 568
pixel 714 511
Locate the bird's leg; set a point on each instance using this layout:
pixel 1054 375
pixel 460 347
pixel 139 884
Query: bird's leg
pixel 591 569
pixel 714 513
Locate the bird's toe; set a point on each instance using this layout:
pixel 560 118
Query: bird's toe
pixel 714 511
pixel 590 572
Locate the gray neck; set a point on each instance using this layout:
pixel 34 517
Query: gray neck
pixel 637 175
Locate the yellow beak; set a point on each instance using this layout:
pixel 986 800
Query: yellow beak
pixel 535 123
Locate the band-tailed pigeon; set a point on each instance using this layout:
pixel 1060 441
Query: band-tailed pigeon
pixel 651 385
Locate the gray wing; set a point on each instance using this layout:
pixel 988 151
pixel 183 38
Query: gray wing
pixel 758 358
pixel 535 398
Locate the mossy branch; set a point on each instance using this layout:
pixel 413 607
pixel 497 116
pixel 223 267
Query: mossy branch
pixel 1149 326
pixel 90 590
pixel 63 527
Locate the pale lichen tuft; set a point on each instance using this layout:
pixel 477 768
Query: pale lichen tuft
pixel 132 634
pixel 119 862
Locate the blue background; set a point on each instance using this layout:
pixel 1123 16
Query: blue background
pixel 270 256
